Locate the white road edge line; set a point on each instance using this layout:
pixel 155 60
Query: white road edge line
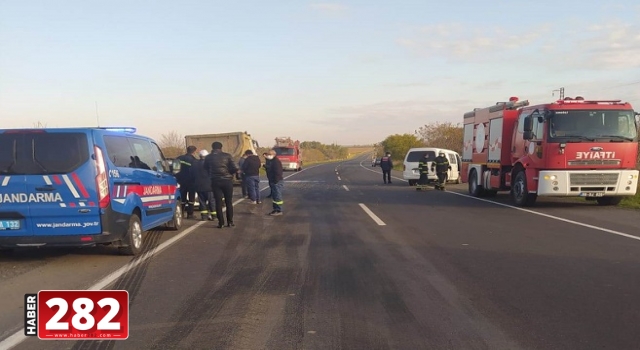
pixel 345 187
pixel 372 215
pixel 18 337
pixel 339 179
pixel 532 212
pixel 549 216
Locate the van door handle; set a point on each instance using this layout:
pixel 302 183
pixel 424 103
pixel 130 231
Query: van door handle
pixel 47 188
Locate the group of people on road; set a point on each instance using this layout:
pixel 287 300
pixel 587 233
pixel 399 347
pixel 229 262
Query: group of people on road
pixel 211 176
pixel 440 166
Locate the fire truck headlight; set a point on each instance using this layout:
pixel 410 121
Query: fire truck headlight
pixel 552 177
pixel 629 182
pixel 555 183
pixel 631 177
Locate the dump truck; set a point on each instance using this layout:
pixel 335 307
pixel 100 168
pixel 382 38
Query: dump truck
pixel 289 153
pixel 234 143
pixel 572 147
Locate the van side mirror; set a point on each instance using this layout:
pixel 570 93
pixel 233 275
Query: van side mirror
pixel 175 166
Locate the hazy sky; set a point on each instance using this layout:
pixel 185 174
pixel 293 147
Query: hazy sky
pixel 350 72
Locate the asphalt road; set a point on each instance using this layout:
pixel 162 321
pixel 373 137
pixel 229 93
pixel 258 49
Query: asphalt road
pixel 356 264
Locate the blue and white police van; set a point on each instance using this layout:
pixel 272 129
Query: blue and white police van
pixel 84 187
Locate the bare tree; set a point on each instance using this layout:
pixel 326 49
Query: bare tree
pixel 442 135
pixel 172 144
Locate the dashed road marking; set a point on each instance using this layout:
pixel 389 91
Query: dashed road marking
pixel 372 215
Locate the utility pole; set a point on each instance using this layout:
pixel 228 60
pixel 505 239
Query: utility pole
pixel 561 90
pixel 97 117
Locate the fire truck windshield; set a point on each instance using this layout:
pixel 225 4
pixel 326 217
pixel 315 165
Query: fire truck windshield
pixel 590 125
pixel 284 151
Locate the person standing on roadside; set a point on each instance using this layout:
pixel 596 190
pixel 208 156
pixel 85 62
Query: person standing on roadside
pixel 222 169
pixel 267 163
pixel 386 165
pixel 276 183
pixel 243 181
pixel 187 191
pixel 251 171
pixel 202 185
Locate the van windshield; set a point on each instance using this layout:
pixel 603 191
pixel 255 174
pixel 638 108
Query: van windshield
pixel 416 156
pixel 42 153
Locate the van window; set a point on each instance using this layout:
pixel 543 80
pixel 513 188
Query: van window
pixel 416 156
pixel 118 150
pixel 42 153
pixel 452 159
pixel 143 154
pixel 157 152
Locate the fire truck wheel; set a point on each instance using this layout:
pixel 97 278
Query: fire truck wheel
pixel 474 188
pixel 519 193
pixel 609 200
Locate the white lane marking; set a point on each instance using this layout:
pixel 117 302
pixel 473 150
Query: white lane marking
pixel 550 216
pixel 47 180
pixel 372 215
pixel 533 212
pixel 5 181
pixel 18 337
pixel 377 172
pixel 345 187
pixel 339 179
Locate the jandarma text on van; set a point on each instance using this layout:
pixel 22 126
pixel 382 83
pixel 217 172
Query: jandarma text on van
pixel 67 224
pixel 30 197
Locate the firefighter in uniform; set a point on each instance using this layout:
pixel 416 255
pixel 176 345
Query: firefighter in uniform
pixel 441 166
pixel 423 168
pixel 187 190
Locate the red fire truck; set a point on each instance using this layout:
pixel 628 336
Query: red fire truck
pixel 571 147
pixel 289 153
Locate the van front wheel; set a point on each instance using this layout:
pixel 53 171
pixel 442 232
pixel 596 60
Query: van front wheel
pixel 176 220
pixel 132 241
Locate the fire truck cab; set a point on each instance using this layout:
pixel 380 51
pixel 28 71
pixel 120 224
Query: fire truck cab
pixel 568 148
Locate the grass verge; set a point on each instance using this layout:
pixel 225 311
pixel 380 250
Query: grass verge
pixel 632 202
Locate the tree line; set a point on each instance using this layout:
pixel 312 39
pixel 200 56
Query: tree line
pixel 437 134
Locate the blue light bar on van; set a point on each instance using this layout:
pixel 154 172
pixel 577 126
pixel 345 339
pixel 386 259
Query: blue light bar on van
pixel 123 129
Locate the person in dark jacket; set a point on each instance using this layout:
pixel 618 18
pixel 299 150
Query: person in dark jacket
pixel 386 165
pixel 441 166
pixel 202 184
pixel 222 169
pixel 251 171
pixel 276 181
pixel 242 177
pixel 187 191
pixel 423 167
pixel 267 163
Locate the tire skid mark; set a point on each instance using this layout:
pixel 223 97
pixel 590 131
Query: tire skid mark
pixel 240 275
pixel 131 282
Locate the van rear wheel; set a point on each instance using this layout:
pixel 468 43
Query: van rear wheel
pixel 132 241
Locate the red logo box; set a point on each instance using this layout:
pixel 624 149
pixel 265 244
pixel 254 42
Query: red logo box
pixel 83 314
